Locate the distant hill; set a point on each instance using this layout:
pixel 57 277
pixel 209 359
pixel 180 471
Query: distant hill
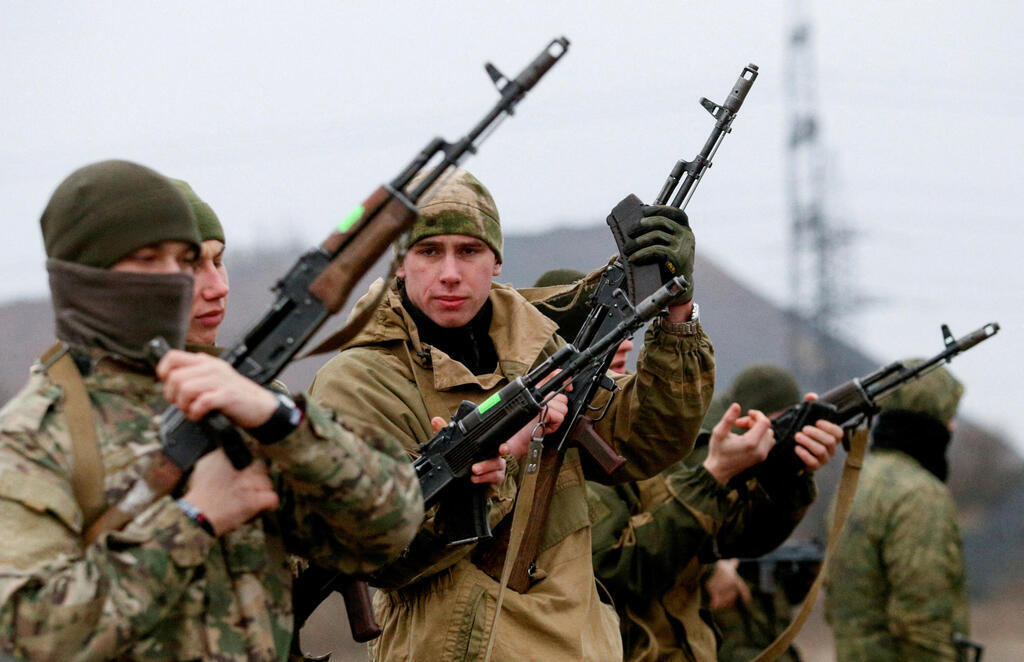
pixel 987 480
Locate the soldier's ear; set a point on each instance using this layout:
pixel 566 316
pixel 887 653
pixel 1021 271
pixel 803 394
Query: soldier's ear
pixel 497 269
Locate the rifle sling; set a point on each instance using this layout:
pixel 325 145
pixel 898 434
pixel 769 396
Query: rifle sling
pixel 520 520
pixel 87 481
pixel 844 500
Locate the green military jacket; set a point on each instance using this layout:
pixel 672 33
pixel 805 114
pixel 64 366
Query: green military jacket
pixel 652 538
pixel 896 588
pixel 438 603
pixel 162 588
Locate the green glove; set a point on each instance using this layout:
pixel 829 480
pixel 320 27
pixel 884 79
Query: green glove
pixel 664 238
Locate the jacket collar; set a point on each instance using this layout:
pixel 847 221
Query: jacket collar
pixel 518 330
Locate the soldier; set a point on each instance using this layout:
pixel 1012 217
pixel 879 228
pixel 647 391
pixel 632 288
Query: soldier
pixel 444 333
pixel 203 576
pixel 651 538
pixel 895 585
pixel 210 276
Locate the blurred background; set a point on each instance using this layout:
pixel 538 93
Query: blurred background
pixel 866 196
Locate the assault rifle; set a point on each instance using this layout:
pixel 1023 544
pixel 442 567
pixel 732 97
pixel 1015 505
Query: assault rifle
pixel 621 284
pixel 476 431
pixel 852 403
pixel 792 567
pixel 316 287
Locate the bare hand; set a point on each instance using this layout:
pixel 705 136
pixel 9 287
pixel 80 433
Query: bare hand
pixel 730 453
pixel 725 585
pixel 816 444
pixel 493 471
pixel 199 383
pixel 227 497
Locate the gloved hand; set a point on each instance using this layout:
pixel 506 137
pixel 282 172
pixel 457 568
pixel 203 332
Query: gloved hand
pixel 664 238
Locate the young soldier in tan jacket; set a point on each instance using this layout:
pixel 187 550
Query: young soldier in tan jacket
pixel 446 333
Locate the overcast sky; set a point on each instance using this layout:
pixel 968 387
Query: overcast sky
pixel 284 115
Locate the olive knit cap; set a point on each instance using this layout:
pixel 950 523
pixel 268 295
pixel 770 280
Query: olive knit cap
pixel 937 394
pixel 105 211
pixel 764 387
pixel 206 219
pixel 462 205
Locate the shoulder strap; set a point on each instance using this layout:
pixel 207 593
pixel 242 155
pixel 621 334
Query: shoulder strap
pixel 844 500
pixel 86 464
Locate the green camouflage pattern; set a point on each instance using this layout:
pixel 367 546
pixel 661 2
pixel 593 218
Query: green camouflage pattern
pixel 161 588
pixel 895 585
pixel 461 205
pixel 652 538
pixel 937 394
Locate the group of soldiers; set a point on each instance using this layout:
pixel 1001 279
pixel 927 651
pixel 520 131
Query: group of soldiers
pixel 627 565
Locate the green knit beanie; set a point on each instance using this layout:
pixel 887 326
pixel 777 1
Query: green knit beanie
pixel 206 219
pixel 461 206
pixel 570 320
pixel 937 394
pixel 764 387
pixel 106 211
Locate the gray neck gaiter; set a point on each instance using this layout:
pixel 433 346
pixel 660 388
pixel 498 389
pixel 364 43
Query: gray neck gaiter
pixel 119 311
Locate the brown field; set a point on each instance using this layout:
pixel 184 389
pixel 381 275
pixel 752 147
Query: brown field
pixel 999 625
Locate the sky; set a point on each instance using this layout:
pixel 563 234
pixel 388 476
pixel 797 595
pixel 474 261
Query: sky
pixel 285 115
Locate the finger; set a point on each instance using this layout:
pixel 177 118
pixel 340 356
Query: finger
pixel 666 211
pixel 491 477
pixel 810 397
pixel 812 463
pixel 264 500
pixel 437 423
pixel 818 451
pixel 744 591
pixel 486 466
pixel 649 255
pixel 654 237
pixel 727 421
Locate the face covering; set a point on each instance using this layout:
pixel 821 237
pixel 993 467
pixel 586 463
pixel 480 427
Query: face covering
pixel 119 311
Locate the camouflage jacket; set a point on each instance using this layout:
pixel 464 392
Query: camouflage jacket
pixel 440 601
pixel 652 538
pixel 895 584
pixel 162 588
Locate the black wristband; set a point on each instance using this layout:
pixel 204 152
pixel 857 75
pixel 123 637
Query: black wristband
pixel 196 515
pixel 281 423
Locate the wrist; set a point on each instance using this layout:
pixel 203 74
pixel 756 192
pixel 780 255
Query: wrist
pixel 281 422
pixel 196 515
pixel 718 471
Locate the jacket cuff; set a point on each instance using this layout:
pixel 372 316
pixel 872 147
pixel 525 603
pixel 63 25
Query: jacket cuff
pixel 707 499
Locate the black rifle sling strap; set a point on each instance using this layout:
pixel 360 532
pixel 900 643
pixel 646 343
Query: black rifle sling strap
pixel 844 500
pixel 87 481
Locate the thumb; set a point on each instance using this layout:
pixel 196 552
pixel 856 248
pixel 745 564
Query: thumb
pixel 437 423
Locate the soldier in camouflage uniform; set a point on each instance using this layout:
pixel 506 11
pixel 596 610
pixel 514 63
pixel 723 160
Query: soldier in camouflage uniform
pixel 896 585
pixel 444 333
pixel 203 576
pixel 648 533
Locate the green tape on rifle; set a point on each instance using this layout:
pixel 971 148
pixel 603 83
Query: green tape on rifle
pixel 351 219
pixel 488 403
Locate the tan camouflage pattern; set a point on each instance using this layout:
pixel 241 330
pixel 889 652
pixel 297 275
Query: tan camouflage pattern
pixel 937 394
pixel 896 585
pixel 161 588
pixel 461 205
pixel 652 538
pixel 438 604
